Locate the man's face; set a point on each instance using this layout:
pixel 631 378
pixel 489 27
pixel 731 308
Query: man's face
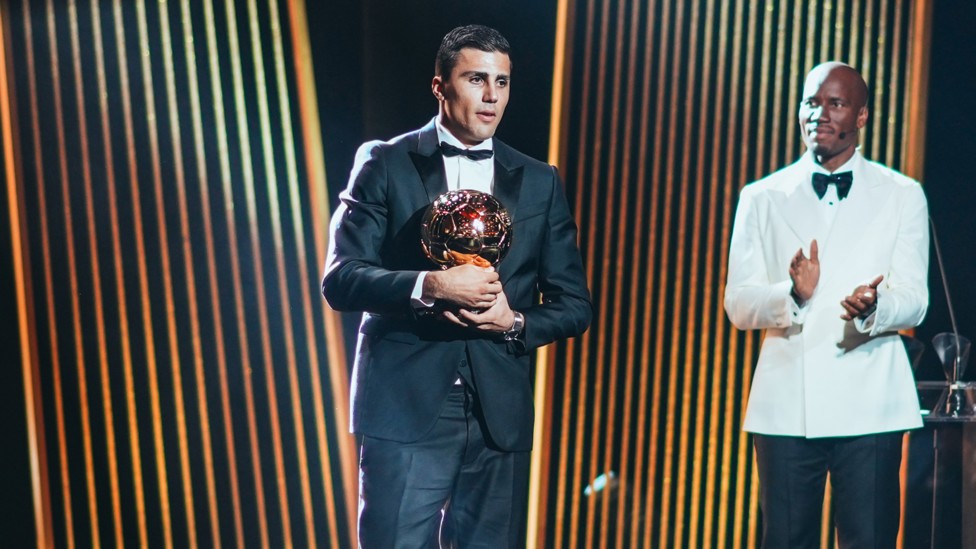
pixel 473 97
pixel 832 111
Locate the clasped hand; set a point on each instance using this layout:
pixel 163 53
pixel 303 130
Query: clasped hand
pixel 477 294
pixel 805 274
pixel 862 301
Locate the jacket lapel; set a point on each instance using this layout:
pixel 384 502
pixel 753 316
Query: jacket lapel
pixel 858 211
pixel 794 200
pixel 507 185
pixel 428 161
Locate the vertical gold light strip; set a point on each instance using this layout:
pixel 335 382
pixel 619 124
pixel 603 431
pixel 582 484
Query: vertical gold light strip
pixel 743 522
pixel 753 504
pixel 561 79
pixel 124 335
pixel 669 488
pixel 226 185
pixel 762 150
pixel 686 289
pixel 565 440
pixel 26 334
pixel 903 491
pixel 881 114
pixel 629 388
pixel 569 482
pixel 247 170
pixel 894 90
pixel 84 416
pixel 856 30
pixel 146 320
pixel 176 142
pixel 745 517
pixel 594 413
pixel 539 472
pixel 866 68
pixel 617 203
pixel 214 290
pixel 298 231
pixel 274 209
pixel 826 524
pixel 106 388
pixel 738 400
pixel 809 31
pixel 794 86
pixel 778 78
pixel 335 350
pixel 731 362
pixel 825 29
pixel 719 368
pixel 916 97
pixel 167 274
pixel 705 382
pixel 644 165
pixel 841 31
pixel 653 474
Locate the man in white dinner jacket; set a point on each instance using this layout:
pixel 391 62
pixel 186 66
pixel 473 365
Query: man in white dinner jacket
pixel 830 257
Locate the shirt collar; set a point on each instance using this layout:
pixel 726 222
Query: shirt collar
pixel 443 135
pixel 848 166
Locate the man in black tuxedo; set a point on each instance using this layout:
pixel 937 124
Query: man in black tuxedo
pixel 441 389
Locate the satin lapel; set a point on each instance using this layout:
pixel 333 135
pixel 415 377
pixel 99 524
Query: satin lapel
pixel 795 200
pixel 429 164
pixel 507 188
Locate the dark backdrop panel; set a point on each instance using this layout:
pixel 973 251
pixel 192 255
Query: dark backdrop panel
pixel 949 182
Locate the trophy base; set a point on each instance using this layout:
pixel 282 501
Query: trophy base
pixel 957 403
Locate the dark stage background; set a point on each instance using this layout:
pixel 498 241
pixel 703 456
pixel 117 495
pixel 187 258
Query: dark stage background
pixel 174 405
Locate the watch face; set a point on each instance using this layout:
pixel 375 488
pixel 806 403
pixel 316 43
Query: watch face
pixel 517 326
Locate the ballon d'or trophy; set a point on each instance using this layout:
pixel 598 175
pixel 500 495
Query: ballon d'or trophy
pixel 466 226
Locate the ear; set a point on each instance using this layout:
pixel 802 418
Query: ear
pixel 862 117
pixel 437 87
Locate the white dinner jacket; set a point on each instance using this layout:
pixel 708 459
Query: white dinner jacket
pixel 818 375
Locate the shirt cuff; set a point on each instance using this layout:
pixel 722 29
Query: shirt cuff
pixel 798 313
pixel 417 296
pixel 867 324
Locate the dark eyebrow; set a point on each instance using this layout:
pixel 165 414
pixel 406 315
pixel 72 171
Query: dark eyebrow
pixel 483 75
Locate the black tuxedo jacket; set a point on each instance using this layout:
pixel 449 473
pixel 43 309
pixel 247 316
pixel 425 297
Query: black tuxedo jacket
pixel 407 363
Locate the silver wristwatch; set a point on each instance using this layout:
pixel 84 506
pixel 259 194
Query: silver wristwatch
pixel 516 330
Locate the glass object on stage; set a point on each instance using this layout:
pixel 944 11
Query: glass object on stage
pixel 958 400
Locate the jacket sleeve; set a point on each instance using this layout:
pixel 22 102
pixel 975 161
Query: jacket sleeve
pixel 565 309
pixel 903 296
pixel 752 300
pixel 355 279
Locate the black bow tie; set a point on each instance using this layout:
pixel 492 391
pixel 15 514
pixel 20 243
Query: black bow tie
pixel 842 180
pixel 449 150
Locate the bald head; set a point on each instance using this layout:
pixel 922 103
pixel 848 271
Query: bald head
pixel 832 112
pixel 841 71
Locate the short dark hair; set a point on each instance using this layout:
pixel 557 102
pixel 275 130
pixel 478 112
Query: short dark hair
pixel 478 37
